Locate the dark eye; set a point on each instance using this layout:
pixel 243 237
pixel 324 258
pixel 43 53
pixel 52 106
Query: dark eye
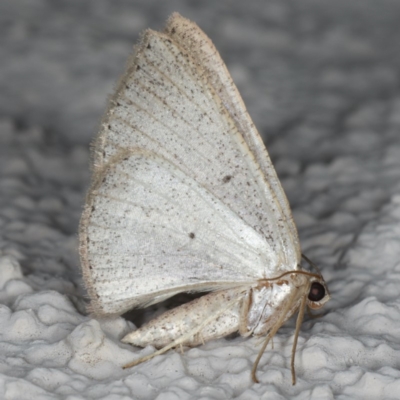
pixel 317 292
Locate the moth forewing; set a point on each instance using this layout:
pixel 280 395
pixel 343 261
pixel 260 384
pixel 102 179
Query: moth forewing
pixel 194 41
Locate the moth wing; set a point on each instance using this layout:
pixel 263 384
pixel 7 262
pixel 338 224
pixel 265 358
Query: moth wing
pixel 150 231
pixel 192 39
pixel 173 104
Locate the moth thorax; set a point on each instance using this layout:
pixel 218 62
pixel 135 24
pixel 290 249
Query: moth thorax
pixel 263 306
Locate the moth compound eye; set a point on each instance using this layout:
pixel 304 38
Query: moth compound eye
pixel 317 292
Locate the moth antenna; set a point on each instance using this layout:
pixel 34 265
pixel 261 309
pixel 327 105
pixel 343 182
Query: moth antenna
pixel 271 334
pixel 299 320
pixel 306 273
pixel 311 264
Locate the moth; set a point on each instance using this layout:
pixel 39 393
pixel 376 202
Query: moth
pixel 184 198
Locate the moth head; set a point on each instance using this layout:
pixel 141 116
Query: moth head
pixel 318 293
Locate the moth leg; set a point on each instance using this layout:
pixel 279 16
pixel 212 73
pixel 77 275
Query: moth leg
pixel 296 335
pixel 272 333
pixel 262 339
pixel 186 337
pixel 313 316
pixel 201 337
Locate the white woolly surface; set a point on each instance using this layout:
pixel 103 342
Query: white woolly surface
pixel 321 80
